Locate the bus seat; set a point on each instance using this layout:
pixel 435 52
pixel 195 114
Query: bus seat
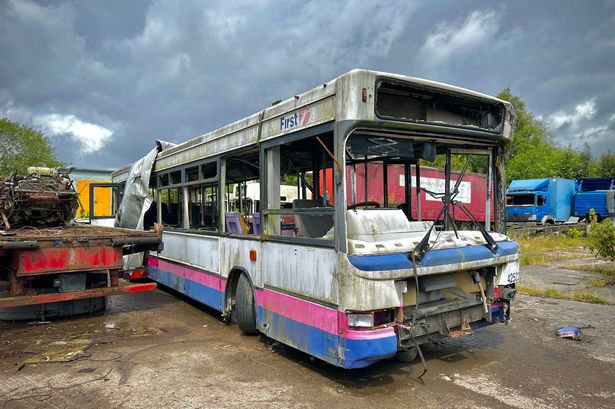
pixel 311 225
pixel 195 215
pixel 233 223
pixel 256 223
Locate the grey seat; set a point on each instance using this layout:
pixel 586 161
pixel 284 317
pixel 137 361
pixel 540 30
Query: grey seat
pixel 311 225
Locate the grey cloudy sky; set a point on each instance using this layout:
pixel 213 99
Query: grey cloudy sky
pixel 103 79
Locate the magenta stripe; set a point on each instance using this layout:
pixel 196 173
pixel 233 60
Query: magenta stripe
pixel 306 312
pixel 208 280
pixel 299 310
pixel 372 334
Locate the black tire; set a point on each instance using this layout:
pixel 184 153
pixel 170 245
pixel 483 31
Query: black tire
pixel 244 306
pixel 407 356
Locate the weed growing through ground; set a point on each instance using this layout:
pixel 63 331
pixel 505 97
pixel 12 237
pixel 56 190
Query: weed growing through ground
pixel 542 250
pixel 553 293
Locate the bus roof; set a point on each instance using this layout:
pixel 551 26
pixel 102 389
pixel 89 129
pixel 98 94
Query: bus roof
pixel 320 102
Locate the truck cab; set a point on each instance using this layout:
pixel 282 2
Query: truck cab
pixel 544 201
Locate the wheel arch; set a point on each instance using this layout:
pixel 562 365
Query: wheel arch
pixel 547 220
pixel 231 287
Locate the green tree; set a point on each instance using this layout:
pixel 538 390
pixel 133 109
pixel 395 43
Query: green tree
pixel 532 154
pixel 21 146
pixel 587 162
pixel 606 164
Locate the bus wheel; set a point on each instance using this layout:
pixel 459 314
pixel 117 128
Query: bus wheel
pixel 244 306
pixel 407 356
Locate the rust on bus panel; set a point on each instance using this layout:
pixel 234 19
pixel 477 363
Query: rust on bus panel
pixel 52 259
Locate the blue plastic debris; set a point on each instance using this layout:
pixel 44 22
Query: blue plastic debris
pixel 569 332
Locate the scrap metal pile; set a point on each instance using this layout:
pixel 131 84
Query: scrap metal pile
pixel 44 198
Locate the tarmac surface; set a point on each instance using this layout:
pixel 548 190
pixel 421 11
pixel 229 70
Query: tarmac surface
pixel 160 350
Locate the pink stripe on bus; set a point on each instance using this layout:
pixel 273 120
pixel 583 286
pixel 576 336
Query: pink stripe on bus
pixel 371 334
pixel 305 312
pixel 206 279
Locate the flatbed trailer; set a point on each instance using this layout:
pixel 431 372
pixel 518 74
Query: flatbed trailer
pixel 68 269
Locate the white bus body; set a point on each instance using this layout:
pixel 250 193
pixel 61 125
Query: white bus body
pixel 338 283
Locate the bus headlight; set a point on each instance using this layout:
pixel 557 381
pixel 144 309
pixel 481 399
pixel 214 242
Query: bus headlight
pixel 361 320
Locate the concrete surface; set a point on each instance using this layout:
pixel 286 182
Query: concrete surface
pixel 157 350
pixel 560 277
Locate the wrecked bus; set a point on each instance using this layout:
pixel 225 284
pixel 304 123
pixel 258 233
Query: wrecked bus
pixel 354 283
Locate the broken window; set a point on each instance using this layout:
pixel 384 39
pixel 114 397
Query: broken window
pixel 242 194
pixel 414 103
pixel 300 189
pixel 520 200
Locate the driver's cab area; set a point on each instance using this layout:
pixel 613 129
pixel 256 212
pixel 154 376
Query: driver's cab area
pixel 399 188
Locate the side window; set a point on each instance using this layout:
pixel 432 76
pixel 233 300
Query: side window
pixel 170 200
pixel 299 189
pixel 188 197
pixel 203 205
pixel 242 194
pixel 540 200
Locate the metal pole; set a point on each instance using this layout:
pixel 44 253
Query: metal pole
pixel 324 179
pixel 221 200
pixel 365 179
pixel 159 205
pixel 417 168
pixel 447 190
pixel 315 175
pixel 407 191
pixel 489 193
pixel 385 176
pixel 353 182
pixel 186 207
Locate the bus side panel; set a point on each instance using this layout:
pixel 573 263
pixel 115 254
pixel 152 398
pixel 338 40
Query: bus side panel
pixel 189 264
pixel 235 253
pixel 200 285
pixel 307 271
pixel 302 324
pixel 321 331
pixel 301 321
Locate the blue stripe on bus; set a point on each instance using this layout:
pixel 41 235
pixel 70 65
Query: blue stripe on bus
pixel 433 257
pixel 199 292
pixel 324 345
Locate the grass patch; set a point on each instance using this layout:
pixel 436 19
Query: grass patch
pixel 536 292
pixel 553 293
pixel 601 282
pixel 584 297
pixel 544 249
pixel 607 270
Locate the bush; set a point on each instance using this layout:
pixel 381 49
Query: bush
pixel 601 237
pixel 573 233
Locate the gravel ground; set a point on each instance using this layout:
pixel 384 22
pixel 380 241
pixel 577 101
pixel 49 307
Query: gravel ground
pixel 160 350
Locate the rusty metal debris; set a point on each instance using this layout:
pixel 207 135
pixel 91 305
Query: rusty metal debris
pixel 59 351
pixel 46 198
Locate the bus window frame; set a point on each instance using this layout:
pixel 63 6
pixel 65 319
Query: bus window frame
pixel 318 130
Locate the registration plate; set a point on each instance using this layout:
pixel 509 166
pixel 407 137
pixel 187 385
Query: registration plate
pixel 510 273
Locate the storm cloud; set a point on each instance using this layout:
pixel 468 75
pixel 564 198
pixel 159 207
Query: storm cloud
pixel 104 79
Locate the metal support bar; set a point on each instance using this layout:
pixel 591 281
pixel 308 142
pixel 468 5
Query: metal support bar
pixel 417 169
pixel 489 193
pixel 447 190
pixel 365 199
pixel 385 176
pixel 19 301
pixel 408 191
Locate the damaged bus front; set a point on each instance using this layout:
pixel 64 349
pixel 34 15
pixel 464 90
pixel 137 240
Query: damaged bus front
pixel 406 281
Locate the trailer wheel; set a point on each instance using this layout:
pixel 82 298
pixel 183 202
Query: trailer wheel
pixel 244 306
